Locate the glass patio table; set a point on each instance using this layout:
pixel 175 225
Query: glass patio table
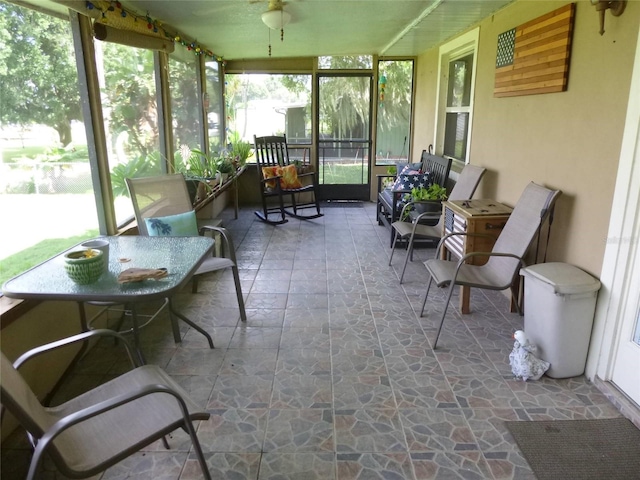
pixel 181 256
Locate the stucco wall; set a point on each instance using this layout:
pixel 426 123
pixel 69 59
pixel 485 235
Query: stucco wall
pixel 424 122
pixel 569 140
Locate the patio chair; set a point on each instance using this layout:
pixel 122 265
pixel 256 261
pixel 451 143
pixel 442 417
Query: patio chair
pixel 162 206
pixel 97 429
pixel 464 189
pixel 279 178
pixel 505 259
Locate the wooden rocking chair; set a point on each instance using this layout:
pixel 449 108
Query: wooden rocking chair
pixel 279 178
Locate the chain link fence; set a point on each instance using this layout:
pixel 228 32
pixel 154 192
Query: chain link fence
pixel 45 177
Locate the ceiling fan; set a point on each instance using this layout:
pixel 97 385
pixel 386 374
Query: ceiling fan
pixel 276 17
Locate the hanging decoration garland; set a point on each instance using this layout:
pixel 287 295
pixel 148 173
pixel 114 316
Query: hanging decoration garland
pixel 382 86
pixel 113 12
pixel 227 102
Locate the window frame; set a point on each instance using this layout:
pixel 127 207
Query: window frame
pixel 457 48
pixel 408 142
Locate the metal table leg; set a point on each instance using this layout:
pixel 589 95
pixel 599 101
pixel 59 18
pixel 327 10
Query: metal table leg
pixel 174 325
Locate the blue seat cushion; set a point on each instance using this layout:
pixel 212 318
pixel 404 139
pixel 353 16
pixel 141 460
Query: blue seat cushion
pixel 180 225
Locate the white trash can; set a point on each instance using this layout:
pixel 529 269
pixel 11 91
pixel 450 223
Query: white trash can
pixel 559 305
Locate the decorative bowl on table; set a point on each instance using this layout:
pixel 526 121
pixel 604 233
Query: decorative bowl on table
pixel 84 266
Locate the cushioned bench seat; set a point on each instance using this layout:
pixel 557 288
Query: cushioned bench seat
pixel 389 200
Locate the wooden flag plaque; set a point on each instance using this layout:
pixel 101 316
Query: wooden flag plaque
pixel 534 57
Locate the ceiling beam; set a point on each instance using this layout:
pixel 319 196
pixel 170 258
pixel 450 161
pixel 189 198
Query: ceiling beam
pixel 425 13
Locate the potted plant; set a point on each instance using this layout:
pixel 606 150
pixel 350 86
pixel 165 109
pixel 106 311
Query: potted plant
pixel 432 192
pixel 198 169
pixel 424 198
pixel 302 167
pixel 225 167
pixel 240 150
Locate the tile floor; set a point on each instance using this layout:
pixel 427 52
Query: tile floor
pixel 333 375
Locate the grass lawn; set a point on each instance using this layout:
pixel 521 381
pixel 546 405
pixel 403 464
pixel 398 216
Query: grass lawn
pixel 38 253
pixel 37 227
pixel 10 155
pixel 343 174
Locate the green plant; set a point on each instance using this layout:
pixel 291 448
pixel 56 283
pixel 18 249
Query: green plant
pixel 240 149
pixel 421 194
pixel 194 164
pixel 140 166
pixel 433 192
pixel 225 165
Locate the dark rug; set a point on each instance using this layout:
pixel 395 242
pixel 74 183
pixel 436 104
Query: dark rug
pixel 341 204
pixel 580 449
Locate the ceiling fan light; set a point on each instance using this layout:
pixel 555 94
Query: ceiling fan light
pixel 276 19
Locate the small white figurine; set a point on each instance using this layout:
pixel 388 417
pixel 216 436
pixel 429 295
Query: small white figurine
pixel 524 364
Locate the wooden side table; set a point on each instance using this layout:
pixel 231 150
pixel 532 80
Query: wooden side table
pixel 472 216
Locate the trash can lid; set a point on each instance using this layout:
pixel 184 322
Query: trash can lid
pixel 565 279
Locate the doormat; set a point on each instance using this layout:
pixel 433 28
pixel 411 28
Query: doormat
pixel 341 204
pixel 580 449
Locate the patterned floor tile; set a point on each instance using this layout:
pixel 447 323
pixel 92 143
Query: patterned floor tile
pixel 364 391
pixel 269 286
pixel 192 361
pixel 483 392
pixel 306 317
pixel 423 391
pixel 301 430
pixel 451 464
pixel 265 317
pixel 308 286
pixel 241 391
pixel 307 300
pixel 358 362
pixel 359 337
pixel 266 300
pixel 238 466
pixel 333 376
pixel 344 301
pixel 545 392
pixel 148 466
pixel 249 361
pixel 234 430
pixel 353 466
pixel 296 466
pixel 437 430
pixel 302 391
pixel 403 337
pixel 487 426
pixel 304 361
pixel 464 362
pixel 508 465
pixel 305 337
pixel 369 431
pixel 411 361
pixel 390 322
pixel 255 337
